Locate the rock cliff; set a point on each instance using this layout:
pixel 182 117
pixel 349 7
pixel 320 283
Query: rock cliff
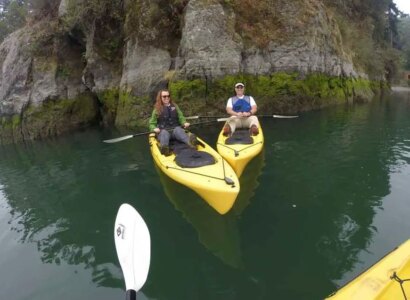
pixel 104 65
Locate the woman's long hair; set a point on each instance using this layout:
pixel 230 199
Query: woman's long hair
pixel 158 102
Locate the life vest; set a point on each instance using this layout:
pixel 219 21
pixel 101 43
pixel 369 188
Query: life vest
pixel 241 104
pixel 168 117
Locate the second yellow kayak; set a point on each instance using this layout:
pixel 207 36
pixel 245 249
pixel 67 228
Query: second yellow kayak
pixel 240 148
pixel 388 279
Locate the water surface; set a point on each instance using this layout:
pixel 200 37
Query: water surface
pixel 326 199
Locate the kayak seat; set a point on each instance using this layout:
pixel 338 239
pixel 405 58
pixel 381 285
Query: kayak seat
pixel 190 158
pixel 240 136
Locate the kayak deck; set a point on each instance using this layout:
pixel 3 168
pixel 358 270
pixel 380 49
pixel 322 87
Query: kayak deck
pixel 240 148
pixel 216 183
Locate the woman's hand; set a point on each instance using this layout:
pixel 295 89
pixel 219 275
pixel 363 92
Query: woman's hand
pixel 157 130
pixel 186 125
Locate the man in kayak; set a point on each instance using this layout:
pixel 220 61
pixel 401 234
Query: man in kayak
pixel 166 121
pixel 242 109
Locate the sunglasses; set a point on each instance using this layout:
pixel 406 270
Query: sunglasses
pixel 165 96
pixel 239 87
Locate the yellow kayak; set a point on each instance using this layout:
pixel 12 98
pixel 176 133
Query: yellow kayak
pixel 388 279
pixel 240 148
pixel 202 170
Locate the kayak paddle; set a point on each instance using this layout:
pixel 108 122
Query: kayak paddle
pixel 133 244
pixel 126 137
pixel 220 119
pixel 130 136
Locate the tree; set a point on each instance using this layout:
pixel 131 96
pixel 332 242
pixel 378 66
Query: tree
pixel 12 16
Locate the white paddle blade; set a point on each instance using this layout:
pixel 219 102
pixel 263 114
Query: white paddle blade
pixel 284 117
pixel 222 119
pixel 133 244
pixel 119 139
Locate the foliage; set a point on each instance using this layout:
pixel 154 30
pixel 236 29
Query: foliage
pixel 258 22
pixel 85 12
pixel 277 92
pixel 369 29
pixel 132 111
pixel 404 32
pixel 186 90
pixel 12 17
pixel 104 18
pixel 157 23
pixel 109 99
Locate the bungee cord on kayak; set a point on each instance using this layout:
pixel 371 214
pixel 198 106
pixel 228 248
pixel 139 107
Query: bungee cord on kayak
pixel 401 282
pixel 238 151
pixel 226 179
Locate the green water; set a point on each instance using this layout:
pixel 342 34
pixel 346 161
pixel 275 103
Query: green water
pixel 326 199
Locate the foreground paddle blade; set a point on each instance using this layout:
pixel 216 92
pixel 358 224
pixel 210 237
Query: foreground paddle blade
pixel 119 139
pixel 284 117
pixel 133 244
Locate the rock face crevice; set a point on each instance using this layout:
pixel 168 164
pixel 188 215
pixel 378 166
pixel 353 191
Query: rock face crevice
pixel 55 78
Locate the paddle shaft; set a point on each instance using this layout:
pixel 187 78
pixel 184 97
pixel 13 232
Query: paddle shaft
pixel 259 116
pixel 130 136
pixel 131 295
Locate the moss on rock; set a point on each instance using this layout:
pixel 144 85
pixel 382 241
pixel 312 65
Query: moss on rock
pixel 278 92
pixel 132 111
pixel 50 119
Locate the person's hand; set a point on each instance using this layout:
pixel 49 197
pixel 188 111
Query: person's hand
pixel 157 130
pixel 239 114
pixel 246 114
pixel 186 125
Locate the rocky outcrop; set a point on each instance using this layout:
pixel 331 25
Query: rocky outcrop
pixel 83 67
pixel 144 68
pixel 15 81
pixel 41 93
pixel 209 44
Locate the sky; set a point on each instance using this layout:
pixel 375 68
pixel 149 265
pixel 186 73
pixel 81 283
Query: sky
pixel 403 5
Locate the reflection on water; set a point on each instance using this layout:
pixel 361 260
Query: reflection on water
pixel 327 178
pixel 249 183
pixel 326 199
pixel 52 193
pixel 218 233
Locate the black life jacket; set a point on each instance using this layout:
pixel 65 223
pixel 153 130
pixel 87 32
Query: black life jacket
pixel 168 118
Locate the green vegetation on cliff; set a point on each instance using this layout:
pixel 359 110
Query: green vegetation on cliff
pixel 279 92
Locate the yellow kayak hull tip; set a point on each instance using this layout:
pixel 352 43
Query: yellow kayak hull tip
pixel 217 184
pixel 380 281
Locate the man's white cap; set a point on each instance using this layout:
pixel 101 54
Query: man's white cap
pixel 238 84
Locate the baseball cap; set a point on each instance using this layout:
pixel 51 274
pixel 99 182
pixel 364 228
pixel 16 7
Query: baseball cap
pixel 239 84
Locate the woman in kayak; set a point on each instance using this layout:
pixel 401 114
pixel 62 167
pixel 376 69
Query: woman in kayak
pixel 167 121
